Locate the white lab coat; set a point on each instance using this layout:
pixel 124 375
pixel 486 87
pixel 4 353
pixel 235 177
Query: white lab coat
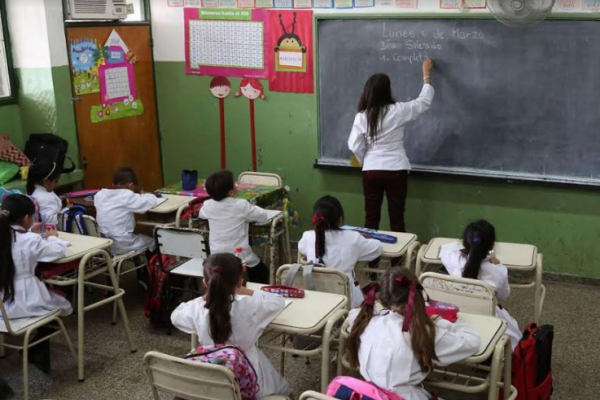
pixel 32 297
pixel 49 203
pixel 115 209
pixel 387 152
pixel 343 249
pixel 250 315
pixel 495 275
pixel 386 357
pixel 228 222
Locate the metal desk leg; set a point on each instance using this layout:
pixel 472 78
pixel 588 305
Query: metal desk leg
pixel 326 343
pixel 507 370
pixel 495 371
pixel 540 291
pixel 409 254
pixel 419 267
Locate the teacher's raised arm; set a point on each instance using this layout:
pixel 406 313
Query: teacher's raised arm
pixel 377 141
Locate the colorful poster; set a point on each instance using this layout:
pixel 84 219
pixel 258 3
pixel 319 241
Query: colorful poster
pixel 385 3
pixel 86 57
pixel 574 5
pixel 364 3
pixel 228 3
pixel 302 3
pixel 592 5
pixel 264 3
pixel 450 4
pixel 117 83
pixel 407 3
pixel 210 3
pixel 323 4
pixel 224 42
pixel 283 4
pixel 175 3
pixel 343 3
pixel 192 3
pixel 291 61
pixel 245 3
pixel 475 4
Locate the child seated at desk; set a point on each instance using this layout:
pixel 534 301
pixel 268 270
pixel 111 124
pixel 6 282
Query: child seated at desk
pixel 115 209
pixel 42 179
pixel 231 313
pixel 336 248
pixel 228 222
pixel 396 347
pixel 21 250
pixel 473 259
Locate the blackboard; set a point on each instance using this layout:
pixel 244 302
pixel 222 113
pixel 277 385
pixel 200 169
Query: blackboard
pixel 511 103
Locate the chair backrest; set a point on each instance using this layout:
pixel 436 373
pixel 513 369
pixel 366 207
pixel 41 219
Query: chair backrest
pixel 181 242
pixel 89 222
pixel 190 380
pixel 470 295
pixel 5 322
pixel 328 280
pixel 310 395
pixel 260 178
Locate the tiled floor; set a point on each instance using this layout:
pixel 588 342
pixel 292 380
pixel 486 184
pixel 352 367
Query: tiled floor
pixel 113 373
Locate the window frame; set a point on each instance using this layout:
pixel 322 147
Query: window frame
pixel 12 81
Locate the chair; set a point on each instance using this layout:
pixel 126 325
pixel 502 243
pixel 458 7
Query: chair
pixel 118 259
pixel 310 395
pixel 260 178
pixel 192 380
pixel 26 327
pixel 470 295
pixel 328 280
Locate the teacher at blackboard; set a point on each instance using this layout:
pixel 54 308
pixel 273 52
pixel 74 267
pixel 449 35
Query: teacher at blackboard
pixel 377 141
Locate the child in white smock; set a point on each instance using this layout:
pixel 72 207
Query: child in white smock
pixel 231 313
pixel 42 179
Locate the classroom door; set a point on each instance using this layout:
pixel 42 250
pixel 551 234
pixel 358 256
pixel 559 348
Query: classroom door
pixel 108 139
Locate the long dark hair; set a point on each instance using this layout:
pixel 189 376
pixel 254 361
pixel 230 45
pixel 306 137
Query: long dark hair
pixel 328 213
pixel 394 291
pixel 478 239
pixel 376 96
pixel 14 208
pixel 40 171
pixel 222 272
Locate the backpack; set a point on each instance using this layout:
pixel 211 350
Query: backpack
pixel 233 358
pixel 531 364
pixel 74 214
pixel 349 388
pixel 51 147
pixel 156 302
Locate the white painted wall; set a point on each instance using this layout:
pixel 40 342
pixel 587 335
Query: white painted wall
pixel 168 26
pixel 28 33
pixel 56 33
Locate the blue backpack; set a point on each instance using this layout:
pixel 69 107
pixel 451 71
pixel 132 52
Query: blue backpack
pixel 74 214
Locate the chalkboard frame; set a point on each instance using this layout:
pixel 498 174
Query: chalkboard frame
pixel 338 164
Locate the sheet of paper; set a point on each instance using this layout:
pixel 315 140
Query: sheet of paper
pixel 407 3
pixel 564 5
pixel 273 213
pixel 450 4
pixel 593 5
pixel 475 4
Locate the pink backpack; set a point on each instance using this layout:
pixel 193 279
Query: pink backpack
pixel 233 358
pixel 348 388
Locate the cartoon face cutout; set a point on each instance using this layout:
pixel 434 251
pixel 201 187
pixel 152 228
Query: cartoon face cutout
pixel 220 92
pixel 249 92
pixel 290 42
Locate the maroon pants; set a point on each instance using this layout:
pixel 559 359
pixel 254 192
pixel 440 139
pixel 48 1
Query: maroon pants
pixel 395 186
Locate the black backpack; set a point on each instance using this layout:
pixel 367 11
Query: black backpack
pixel 51 147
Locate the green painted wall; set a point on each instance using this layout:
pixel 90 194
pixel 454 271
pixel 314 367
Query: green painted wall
pixel 564 222
pixel 45 104
pixel 10 124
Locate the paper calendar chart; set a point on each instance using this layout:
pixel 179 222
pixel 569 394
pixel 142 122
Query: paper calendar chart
pixel 117 82
pixel 232 44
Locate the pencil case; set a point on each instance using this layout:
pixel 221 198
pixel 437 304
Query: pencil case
pixel 284 291
pixel 446 311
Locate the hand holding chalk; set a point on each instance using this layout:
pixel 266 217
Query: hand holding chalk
pixel 427 67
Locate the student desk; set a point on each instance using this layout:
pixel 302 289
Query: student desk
pixel 494 344
pixel 94 261
pixel 168 212
pixel 406 247
pixel 316 314
pixel 521 259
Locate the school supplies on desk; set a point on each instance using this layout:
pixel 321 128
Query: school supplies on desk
pixel 285 291
pixel 77 194
pixel 372 234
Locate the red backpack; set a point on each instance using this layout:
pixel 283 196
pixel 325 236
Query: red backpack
pixel 156 303
pixel 531 365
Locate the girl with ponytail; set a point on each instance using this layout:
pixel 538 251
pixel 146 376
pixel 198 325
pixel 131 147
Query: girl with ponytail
pixel 42 179
pixel 397 346
pixel 474 258
pixel 230 313
pixel 336 248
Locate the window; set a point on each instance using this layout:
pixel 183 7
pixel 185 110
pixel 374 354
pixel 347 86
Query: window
pixel 6 90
